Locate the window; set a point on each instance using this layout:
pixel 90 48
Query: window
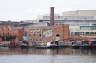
pixel 40 35
pixel 91 32
pixel 87 33
pixel 76 33
pixel 95 32
pixel 82 33
pixel 94 24
pixel 72 33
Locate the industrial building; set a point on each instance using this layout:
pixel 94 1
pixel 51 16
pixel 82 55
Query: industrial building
pixel 47 33
pixel 9 35
pixel 81 23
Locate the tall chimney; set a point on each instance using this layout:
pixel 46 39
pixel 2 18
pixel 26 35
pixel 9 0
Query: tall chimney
pixel 51 15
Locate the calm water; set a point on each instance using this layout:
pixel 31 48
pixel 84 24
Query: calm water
pixel 65 55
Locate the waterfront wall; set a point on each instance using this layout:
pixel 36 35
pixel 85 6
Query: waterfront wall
pixel 7 33
pixel 47 33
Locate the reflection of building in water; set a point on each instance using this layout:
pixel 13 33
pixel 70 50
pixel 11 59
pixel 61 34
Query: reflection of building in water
pixel 53 52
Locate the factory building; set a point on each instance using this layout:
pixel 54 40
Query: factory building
pixel 81 23
pixel 47 33
pixel 9 35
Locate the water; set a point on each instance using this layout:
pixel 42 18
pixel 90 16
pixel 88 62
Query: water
pixel 65 55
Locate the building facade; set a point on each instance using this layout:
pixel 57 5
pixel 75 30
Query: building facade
pixel 47 33
pixel 10 35
pixel 81 23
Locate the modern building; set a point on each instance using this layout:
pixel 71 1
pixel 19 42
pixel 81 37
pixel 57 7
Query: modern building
pixel 80 13
pixel 81 23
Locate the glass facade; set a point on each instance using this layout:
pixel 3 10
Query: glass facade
pixel 88 28
pixel 76 22
pixel 78 25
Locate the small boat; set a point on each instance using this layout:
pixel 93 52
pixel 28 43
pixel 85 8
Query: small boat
pixel 48 45
pixel 75 46
pixel 21 44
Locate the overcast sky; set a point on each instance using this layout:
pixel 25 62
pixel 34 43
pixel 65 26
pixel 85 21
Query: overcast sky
pixel 30 9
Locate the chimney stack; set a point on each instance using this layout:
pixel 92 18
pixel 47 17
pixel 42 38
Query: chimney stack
pixel 51 15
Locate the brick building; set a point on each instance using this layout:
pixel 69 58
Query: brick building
pixel 47 33
pixel 8 33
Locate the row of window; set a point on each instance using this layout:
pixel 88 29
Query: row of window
pixel 82 33
pixel 72 17
pixel 55 17
pixel 88 28
pixel 77 24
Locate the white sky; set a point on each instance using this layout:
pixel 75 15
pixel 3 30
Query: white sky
pixel 30 9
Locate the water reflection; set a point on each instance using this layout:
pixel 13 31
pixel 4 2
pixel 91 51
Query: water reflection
pixel 32 51
pixel 65 55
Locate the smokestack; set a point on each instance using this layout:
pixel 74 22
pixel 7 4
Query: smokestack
pixel 51 15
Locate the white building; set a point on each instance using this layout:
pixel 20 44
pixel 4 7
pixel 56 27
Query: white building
pixel 81 22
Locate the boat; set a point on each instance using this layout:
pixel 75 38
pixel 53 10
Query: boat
pixel 21 44
pixel 50 45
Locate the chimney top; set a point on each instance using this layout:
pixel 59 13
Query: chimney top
pixel 51 15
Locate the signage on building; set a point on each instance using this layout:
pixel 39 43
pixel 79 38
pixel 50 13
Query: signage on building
pixel 47 33
pixel 35 31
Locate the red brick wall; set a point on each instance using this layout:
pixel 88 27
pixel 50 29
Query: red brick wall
pixel 7 30
pixel 62 30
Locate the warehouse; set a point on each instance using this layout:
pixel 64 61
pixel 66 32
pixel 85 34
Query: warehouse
pixel 47 33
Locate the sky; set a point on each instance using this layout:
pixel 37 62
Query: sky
pixel 17 10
